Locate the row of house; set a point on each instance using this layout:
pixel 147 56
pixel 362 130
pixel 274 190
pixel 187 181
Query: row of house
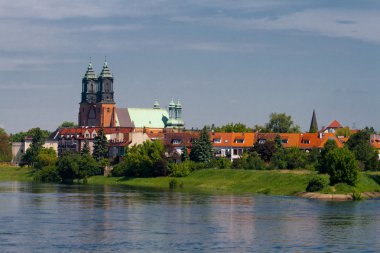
pixel 229 145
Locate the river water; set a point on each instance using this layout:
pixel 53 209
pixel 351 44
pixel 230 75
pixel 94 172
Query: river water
pixel 83 218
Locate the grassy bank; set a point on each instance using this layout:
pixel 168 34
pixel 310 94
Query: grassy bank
pixel 225 181
pixel 15 174
pixel 244 181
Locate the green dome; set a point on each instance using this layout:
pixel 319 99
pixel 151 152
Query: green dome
pixel 106 72
pixel 178 105
pixel 90 73
pixel 172 104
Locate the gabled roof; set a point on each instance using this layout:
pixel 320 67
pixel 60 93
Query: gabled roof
pixel 185 138
pixel 232 139
pixel 148 117
pixel 334 124
pixel 123 118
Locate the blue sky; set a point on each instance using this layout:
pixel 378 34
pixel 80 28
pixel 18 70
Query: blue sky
pixel 227 61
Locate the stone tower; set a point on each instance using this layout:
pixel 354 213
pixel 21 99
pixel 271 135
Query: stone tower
pixel 97 106
pixel 87 108
pixel 105 101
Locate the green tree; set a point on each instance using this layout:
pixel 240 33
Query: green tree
pixel 290 158
pixel 359 143
pixel 100 146
pixel 145 160
pixel 281 123
pixel 5 148
pixel 265 150
pixel 249 161
pixel 201 150
pixel 344 131
pixel 19 137
pixel 185 155
pixel 67 124
pixel 342 166
pixel 233 128
pixel 322 161
pixel 72 167
pixel 86 149
pixel 38 141
pixel 45 157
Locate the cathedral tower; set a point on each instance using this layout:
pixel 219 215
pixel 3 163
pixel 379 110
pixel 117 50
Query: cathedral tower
pixel 97 106
pixel 105 101
pixel 87 108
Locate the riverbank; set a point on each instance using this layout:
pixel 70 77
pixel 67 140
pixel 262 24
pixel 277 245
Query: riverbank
pixel 273 182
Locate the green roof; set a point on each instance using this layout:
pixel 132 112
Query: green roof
pixel 148 117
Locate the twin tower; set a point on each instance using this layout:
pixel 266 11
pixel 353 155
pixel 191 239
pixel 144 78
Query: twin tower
pixel 97 106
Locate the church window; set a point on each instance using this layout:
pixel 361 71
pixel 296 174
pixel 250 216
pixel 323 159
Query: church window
pixel 108 109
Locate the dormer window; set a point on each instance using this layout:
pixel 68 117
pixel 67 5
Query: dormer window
pixel 305 141
pixel 285 141
pixel 218 140
pixel 239 140
pixel 176 141
pixel 262 141
pixel 87 135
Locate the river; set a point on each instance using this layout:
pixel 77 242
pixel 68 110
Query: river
pixel 87 218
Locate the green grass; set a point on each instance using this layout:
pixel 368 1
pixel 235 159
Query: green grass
pixel 15 174
pixel 225 181
pixel 271 182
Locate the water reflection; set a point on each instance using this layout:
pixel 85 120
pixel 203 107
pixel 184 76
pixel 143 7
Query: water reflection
pixel 80 218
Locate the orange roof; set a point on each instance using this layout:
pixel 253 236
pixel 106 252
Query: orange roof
pixel 334 124
pixel 330 136
pixel 290 139
pixel 243 140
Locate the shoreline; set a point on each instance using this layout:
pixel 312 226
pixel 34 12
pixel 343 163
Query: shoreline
pixel 239 182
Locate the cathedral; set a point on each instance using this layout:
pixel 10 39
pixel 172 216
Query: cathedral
pixel 98 108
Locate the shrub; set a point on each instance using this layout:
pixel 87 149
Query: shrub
pixel 251 161
pixel 290 158
pixel 316 184
pixel 174 183
pixel 181 169
pixel 47 174
pixel 220 163
pixel 342 166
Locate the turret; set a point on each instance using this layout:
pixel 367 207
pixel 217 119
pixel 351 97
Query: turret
pixel 105 91
pixel 89 85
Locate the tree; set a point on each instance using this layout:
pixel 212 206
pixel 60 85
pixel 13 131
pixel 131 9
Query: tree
pixel 45 157
pixel 100 146
pixel 290 158
pixel 37 142
pixel 67 124
pixel 342 166
pixel 265 150
pixel 322 161
pixel 344 131
pixel 249 161
pixel 359 143
pixel 201 150
pixel 75 166
pixel 5 149
pixel 86 149
pixel 281 123
pixel 145 160
pixel 233 128
pixel 185 155
pixel 19 137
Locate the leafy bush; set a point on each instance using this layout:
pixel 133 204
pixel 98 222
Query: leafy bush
pixel 342 166
pixel 75 166
pixel 290 158
pixel 251 161
pixel 174 183
pixel 181 169
pixel 45 157
pixel 220 163
pixel 47 174
pixel 316 184
pixel 146 160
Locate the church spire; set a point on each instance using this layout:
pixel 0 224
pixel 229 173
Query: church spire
pixel 313 124
pixel 106 72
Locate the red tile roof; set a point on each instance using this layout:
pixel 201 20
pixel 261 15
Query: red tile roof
pixel 241 140
pixel 334 124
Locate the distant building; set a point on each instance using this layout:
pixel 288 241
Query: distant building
pixel 332 127
pixel 98 108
